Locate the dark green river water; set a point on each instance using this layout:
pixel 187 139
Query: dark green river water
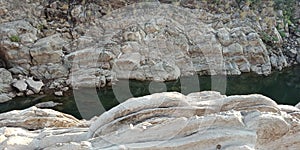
pixel 282 86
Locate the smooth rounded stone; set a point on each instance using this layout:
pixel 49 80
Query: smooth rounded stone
pixel 48 138
pixel 200 120
pixel 34 118
pixel 47 104
pixel 20 94
pixel 35 86
pixel 168 120
pixel 29 92
pixel 59 93
pixel 288 108
pixel 298 105
pixel 64 89
pixel 20 85
pixel 4 98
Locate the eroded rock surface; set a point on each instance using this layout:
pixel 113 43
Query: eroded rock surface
pixel 170 120
pixel 90 47
pixel 34 118
pixel 5 81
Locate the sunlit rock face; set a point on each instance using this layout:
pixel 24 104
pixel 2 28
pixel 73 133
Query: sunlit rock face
pixel 143 41
pixel 154 42
pixel 169 120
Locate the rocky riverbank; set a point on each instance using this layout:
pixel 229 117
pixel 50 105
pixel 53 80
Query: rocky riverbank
pixel 201 120
pixel 64 44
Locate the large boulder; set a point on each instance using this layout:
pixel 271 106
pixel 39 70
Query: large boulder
pixel 170 120
pixel 205 120
pixel 47 50
pixel 20 85
pixel 34 118
pixel 35 86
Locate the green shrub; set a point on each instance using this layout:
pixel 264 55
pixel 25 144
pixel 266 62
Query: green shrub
pixel 287 6
pixel 15 38
pixel 268 38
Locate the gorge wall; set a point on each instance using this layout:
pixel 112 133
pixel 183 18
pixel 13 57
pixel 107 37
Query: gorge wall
pixel 93 43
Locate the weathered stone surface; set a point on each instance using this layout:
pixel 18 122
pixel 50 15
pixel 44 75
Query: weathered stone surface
pixel 16 36
pixel 161 44
pixel 194 121
pixel 59 93
pixel 20 85
pixel 34 118
pixel 49 71
pixel 298 105
pixel 48 104
pixel 29 92
pixel 170 120
pixel 36 86
pixel 5 81
pixel 4 98
pixel 47 50
pixel 21 28
pixel 50 138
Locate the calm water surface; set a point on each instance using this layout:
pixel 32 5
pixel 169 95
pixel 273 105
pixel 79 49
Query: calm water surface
pixel 283 87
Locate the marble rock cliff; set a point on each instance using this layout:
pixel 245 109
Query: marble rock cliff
pixel 84 43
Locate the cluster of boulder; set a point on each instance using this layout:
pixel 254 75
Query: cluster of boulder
pixel 9 87
pixel 170 120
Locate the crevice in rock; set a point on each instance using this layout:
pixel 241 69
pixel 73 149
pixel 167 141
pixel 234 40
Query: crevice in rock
pixel 3 60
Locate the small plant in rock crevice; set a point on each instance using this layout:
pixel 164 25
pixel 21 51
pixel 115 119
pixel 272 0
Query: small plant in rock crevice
pixel 15 38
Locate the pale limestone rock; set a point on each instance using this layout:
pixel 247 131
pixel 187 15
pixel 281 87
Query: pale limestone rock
pixel 50 138
pixel 59 93
pixel 224 37
pixel 298 105
pixel 47 50
pixel 48 104
pixel 20 85
pixel 16 52
pixel 35 86
pixel 49 71
pixel 4 98
pixel 170 120
pixel 199 120
pixel 5 80
pixel 147 40
pixel 29 92
pixel 34 118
